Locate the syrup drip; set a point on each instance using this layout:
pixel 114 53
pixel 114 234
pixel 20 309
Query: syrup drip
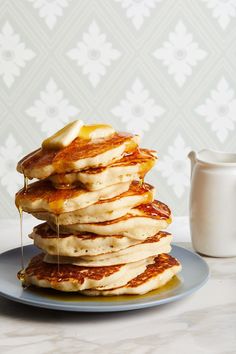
pixel 26 180
pixel 21 273
pixel 141 181
pixel 58 238
pixel 21 236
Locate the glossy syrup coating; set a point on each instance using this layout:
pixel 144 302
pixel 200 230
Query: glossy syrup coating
pixel 161 263
pixel 141 159
pixel 77 274
pixel 57 198
pixel 67 272
pixel 156 209
pixel 79 149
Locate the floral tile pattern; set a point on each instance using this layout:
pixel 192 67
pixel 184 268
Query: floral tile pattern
pixel 52 110
pixel 223 10
pixel 50 10
pixel 180 54
pixel 10 153
pixel 164 69
pixel 137 11
pixel 94 53
pixel 138 110
pixel 220 110
pixel 13 54
pixel 174 166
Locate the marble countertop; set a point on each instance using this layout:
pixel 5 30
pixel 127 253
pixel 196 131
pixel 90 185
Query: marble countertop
pixel 202 323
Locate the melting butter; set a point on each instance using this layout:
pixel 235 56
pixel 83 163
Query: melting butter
pixel 76 129
pixel 63 137
pixel 95 131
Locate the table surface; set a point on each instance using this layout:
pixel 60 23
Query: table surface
pixel 202 323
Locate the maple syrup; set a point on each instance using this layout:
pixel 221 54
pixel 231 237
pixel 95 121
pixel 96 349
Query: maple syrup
pixel 56 295
pixel 26 182
pixel 141 181
pixel 145 166
pixel 59 161
pixel 155 209
pixel 21 275
pixel 20 210
pixel 21 272
pixel 58 239
pixel 86 131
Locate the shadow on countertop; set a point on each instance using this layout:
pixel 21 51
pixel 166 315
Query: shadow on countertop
pixel 23 312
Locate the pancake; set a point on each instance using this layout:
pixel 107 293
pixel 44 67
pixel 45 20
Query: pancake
pixel 156 275
pixel 42 196
pixel 141 222
pixel 79 155
pixel 80 244
pixel 131 167
pixel 104 210
pixel 152 246
pixel 75 278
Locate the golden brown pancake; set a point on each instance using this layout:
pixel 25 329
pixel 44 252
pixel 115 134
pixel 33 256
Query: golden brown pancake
pixel 141 222
pixel 150 274
pixel 83 244
pixel 42 196
pixel 77 244
pixel 106 209
pixel 80 154
pixel 68 277
pixel 132 166
pixel 156 275
pixel 152 246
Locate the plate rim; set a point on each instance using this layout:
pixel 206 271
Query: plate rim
pixel 93 307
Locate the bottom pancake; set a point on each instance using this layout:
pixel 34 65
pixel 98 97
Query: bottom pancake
pixel 155 276
pixel 69 277
pixel 134 278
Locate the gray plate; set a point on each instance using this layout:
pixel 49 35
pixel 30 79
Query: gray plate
pixel 194 274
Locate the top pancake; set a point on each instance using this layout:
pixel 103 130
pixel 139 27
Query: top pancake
pixel 79 155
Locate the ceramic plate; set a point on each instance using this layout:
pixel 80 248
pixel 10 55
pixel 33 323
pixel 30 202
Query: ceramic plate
pixel 194 274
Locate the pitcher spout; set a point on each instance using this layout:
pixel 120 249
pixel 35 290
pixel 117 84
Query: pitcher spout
pixel 193 158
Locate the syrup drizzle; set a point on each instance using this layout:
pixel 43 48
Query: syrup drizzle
pixel 26 181
pixel 21 236
pixel 141 181
pixel 58 238
pixel 21 273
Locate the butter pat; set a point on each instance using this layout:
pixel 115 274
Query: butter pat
pixel 76 129
pixel 63 137
pixel 96 131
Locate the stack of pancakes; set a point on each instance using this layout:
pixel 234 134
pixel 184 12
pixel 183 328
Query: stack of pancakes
pixel 102 233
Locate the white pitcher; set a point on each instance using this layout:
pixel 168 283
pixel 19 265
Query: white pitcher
pixel 213 203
